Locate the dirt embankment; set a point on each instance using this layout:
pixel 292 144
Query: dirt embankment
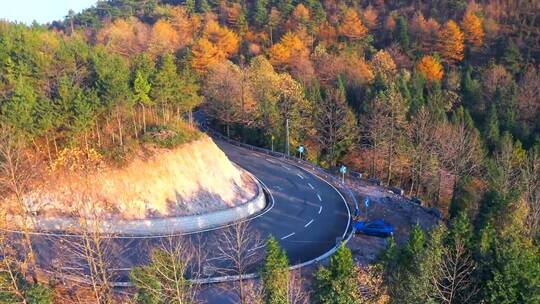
pixel 194 178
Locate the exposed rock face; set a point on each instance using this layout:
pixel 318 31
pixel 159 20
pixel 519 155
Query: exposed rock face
pixel 194 178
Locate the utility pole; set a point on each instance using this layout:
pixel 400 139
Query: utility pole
pixel 287 141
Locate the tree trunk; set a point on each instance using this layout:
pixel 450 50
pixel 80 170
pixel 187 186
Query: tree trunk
pixel 48 149
pixel 390 152
pixel 135 126
pixel 55 145
pixel 144 117
pixel 86 140
pixel 98 134
pixel 120 129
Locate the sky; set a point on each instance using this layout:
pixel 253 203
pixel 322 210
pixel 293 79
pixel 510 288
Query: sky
pixel 43 11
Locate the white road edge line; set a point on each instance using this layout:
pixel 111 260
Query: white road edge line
pixel 320 199
pixel 299 175
pixel 311 186
pixel 309 223
pixel 320 209
pixel 288 235
pixel 335 189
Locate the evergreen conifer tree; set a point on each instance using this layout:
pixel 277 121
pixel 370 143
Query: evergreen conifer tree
pixel 275 274
pixel 337 283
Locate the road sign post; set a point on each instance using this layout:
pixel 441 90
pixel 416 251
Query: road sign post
pixel 301 150
pixel 287 139
pixel 343 170
pixel 273 142
pixel 366 203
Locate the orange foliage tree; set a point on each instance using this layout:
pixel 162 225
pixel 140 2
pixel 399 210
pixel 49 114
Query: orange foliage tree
pixel 383 65
pixel 472 27
pixel 164 39
pixel 205 55
pixel 289 48
pixel 217 44
pixel 184 25
pixel 225 40
pixel 124 37
pixel 451 43
pixel 326 33
pixel 351 26
pixel 300 15
pixel 430 68
pixel 370 17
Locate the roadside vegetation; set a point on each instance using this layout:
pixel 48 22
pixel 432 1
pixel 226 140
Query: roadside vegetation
pixel 439 98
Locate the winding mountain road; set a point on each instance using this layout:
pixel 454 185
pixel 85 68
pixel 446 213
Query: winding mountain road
pixel 307 216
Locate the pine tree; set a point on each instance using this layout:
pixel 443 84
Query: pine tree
pixel 165 86
pixel 275 273
pixel 190 6
pixel 337 283
pixel 141 90
pixel 260 13
pixel 285 7
pixel 491 129
pixel 472 95
pixel 402 32
pixel 512 56
pixel 203 6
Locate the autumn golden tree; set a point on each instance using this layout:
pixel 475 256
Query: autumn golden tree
pixel 124 37
pixel 217 44
pixel 326 33
pixel 289 48
pixel 164 39
pixel 225 41
pixel 351 26
pixel 430 68
pixel 472 28
pixel 370 17
pixel 451 43
pixel 300 15
pixel 383 65
pixel 205 55
pixel 185 25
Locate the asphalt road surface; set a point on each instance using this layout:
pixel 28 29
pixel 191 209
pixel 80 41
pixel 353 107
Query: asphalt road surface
pixel 305 214
pixel 308 215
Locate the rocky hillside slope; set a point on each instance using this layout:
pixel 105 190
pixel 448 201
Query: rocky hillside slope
pixel 194 178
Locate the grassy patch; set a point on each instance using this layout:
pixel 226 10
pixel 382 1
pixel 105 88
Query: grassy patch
pixel 170 136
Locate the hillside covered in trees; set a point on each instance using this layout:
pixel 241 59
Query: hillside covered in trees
pixel 440 98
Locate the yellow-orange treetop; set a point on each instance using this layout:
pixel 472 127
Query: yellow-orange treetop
pixel 351 26
pixel 472 27
pixel 290 47
pixel 430 68
pixel 451 42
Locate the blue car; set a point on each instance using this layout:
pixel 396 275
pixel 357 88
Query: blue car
pixel 374 228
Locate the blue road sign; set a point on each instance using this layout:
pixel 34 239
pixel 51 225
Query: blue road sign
pixel 343 169
pixel 366 202
pixel 301 149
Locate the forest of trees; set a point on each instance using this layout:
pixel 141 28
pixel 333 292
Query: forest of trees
pixel 440 98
